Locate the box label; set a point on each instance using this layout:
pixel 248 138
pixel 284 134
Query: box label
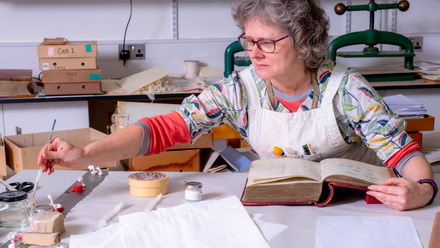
pixel 95 76
pixel 88 48
pixel 50 51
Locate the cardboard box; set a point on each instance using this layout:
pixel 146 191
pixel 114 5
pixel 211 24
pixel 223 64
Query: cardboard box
pixel 178 160
pixel 22 150
pixel 205 140
pixel 71 76
pixel 78 49
pixel 72 88
pixel 67 63
pixel 15 89
pixel 3 171
pixel 422 124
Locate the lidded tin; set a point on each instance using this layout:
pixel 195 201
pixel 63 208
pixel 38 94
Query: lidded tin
pixel 193 191
pixel 148 184
pixel 15 210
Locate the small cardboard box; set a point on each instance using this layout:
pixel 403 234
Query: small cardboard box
pixel 177 160
pixel 22 150
pixel 71 76
pixel 14 89
pixel 422 124
pixel 72 88
pixel 3 171
pixel 67 63
pixel 70 49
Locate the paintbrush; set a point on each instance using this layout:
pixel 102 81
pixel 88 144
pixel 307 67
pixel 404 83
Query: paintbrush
pixel 41 168
pixel 7 185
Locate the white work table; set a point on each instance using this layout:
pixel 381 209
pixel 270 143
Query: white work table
pixel 301 220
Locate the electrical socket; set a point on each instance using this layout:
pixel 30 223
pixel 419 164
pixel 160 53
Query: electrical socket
pixel 417 42
pixel 136 51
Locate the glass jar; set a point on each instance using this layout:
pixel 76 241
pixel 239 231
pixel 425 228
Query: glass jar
pixel 15 210
pixel 193 191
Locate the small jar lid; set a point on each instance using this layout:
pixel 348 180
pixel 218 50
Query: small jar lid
pixel 13 196
pixel 193 185
pixel 41 208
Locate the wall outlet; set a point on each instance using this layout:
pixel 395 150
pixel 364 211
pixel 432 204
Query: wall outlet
pixel 418 43
pixel 137 51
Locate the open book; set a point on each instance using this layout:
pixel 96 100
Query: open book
pixel 294 181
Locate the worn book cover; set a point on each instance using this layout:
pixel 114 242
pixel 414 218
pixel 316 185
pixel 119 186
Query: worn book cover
pixel 294 181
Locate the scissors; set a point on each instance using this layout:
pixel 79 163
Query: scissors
pixel 24 186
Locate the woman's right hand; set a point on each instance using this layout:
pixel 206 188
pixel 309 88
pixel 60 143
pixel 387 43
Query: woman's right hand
pixel 59 151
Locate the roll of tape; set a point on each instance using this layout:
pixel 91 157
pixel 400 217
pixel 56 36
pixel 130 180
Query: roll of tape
pixel 148 184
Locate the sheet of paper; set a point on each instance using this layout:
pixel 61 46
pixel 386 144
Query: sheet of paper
pixel 362 231
pixel 269 230
pixel 214 223
pixel 106 237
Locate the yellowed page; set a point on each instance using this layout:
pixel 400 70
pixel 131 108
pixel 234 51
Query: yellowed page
pixel 368 172
pixel 270 170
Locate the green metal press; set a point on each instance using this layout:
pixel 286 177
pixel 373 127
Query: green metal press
pixel 373 37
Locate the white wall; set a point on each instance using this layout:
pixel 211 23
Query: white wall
pixel 205 28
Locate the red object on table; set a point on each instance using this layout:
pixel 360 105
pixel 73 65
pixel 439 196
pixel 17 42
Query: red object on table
pixel 77 188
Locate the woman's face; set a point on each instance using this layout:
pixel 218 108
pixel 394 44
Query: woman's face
pixel 277 66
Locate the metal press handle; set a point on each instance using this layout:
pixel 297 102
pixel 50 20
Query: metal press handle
pixel 340 8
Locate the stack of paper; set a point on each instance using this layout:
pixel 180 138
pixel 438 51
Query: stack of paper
pixel 405 107
pixel 428 69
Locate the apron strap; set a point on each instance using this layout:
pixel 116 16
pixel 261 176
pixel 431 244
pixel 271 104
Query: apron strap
pixel 270 93
pixel 333 83
pixel 315 89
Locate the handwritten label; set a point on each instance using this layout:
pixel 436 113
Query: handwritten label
pixel 66 51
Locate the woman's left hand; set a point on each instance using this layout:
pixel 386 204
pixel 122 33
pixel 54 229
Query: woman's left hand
pixel 401 193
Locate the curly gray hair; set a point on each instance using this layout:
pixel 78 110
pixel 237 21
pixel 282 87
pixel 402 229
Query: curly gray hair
pixel 304 20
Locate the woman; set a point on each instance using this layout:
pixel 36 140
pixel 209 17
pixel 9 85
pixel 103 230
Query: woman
pixel 289 97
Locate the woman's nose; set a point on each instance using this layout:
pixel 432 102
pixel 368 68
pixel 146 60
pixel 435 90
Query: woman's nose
pixel 256 52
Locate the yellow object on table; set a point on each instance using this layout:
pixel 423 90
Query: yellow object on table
pixel 278 151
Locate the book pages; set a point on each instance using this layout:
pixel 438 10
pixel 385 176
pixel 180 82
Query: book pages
pixel 271 170
pixel 354 169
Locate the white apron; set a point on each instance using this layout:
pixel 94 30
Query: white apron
pixel 290 131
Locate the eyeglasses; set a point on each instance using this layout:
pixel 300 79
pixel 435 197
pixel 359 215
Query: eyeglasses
pixel 266 46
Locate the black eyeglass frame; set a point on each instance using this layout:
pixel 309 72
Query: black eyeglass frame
pixel 259 42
